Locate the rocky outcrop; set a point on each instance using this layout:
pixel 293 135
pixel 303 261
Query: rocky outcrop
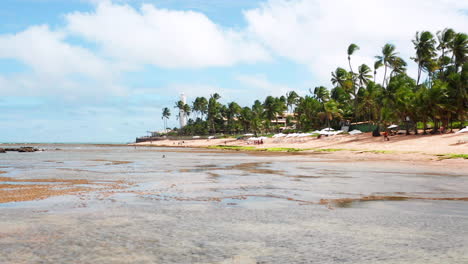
pixel 2 150
pixel 21 149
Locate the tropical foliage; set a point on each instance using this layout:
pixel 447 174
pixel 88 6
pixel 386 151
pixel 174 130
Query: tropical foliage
pixel 438 96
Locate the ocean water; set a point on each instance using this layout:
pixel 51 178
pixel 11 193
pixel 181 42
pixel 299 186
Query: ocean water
pixel 119 204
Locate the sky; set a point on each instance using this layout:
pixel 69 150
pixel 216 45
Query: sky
pixel 102 70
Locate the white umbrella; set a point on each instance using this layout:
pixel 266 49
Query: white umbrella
pixel 393 126
pixel 464 130
pixel 355 132
pixel 248 135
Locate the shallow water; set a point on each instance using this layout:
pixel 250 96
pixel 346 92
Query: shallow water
pixel 134 206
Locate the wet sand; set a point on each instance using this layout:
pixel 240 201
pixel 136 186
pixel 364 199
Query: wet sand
pixel 91 204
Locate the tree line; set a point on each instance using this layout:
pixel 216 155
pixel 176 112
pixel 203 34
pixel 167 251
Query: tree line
pixel 438 97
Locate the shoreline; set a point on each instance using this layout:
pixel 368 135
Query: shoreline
pixel 439 150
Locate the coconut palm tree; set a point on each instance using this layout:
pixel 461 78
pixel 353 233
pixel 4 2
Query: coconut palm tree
pixel 187 109
pixel 351 49
pixel 459 48
pixel 272 108
pixel 321 94
pixel 445 38
pixel 166 113
pixel 331 110
pixel 291 99
pixel 364 75
pixel 424 44
pixel 377 65
pixel 232 113
pixel 388 55
pixel 213 110
pixel 398 66
pixel 339 77
pixel 200 106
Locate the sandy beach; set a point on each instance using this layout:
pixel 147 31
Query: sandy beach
pixel 411 147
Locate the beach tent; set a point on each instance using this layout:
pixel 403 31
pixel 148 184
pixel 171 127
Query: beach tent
pixel 195 137
pixel 328 129
pixel 211 137
pixel 393 126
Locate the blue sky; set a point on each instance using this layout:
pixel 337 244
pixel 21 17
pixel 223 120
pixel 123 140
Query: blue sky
pixel 100 71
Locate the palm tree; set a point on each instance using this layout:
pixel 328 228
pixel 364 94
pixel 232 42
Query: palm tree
pixel 459 48
pixel 351 49
pixel 445 38
pixel 257 116
pixel 377 65
pixel 233 112
pixel 321 94
pixel 331 110
pixel 200 105
pixel 388 55
pixel 187 109
pixel 307 111
pixel 246 117
pixel 291 99
pixel 398 66
pixel 339 77
pixel 272 107
pixel 364 75
pixel 424 43
pixel 166 113
pixel 213 110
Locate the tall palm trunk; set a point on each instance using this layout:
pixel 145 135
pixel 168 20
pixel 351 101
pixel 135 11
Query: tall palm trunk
pixel 385 76
pixel 419 74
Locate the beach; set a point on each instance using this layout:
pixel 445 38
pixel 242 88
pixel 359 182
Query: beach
pixel 432 150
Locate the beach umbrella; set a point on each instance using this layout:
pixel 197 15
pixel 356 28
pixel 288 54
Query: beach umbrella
pixel 393 126
pixel 464 130
pixel 355 132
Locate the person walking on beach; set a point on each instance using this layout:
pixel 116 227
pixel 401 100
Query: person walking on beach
pixel 385 136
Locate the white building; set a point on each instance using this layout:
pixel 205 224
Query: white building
pixel 182 115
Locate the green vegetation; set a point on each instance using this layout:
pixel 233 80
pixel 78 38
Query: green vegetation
pixel 439 95
pixel 381 151
pixel 251 148
pixel 453 156
pixel 330 150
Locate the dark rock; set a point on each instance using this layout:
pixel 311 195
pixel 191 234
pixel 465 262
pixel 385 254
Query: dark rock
pixel 2 150
pixel 27 149
pixel 22 149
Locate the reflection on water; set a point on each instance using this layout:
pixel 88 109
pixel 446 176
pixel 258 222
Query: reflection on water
pixel 133 206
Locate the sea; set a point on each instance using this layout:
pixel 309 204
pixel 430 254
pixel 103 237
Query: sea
pixel 82 203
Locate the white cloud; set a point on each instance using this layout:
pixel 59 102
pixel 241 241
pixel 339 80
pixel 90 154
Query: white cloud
pixel 263 86
pixel 317 33
pixel 55 65
pixel 47 53
pixel 164 38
